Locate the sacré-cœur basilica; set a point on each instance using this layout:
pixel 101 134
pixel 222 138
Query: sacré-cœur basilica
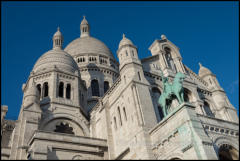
pixel 81 103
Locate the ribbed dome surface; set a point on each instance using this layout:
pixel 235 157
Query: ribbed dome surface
pixel 58 33
pixel 87 45
pixel 59 58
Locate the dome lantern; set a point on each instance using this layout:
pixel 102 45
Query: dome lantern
pixel 57 39
pixel 85 28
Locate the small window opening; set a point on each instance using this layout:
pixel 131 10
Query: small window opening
pixel 60 89
pixel 139 77
pixel 120 118
pixel 115 122
pixel 68 91
pixel 45 88
pixel 106 86
pixel 125 115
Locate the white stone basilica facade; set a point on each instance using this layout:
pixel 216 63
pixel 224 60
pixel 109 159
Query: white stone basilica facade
pixel 81 103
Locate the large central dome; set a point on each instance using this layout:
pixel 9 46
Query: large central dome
pixel 87 45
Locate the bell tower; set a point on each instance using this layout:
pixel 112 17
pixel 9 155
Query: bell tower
pixel 224 108
pixel 169 56
pixel 130 65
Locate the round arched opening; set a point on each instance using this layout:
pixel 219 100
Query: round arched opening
pixel 158 110
pixel 227 152
pixel 175 158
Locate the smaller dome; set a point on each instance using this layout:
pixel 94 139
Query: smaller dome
pixel 58 33
pixel 125 41
pixel 203 71
pixel 56 59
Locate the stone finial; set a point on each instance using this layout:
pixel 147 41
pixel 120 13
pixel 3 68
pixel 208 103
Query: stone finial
pixel 163 37
pixel 200 64
pixel 124 36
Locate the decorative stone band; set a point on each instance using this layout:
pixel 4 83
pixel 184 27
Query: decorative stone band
pixel 167 138
pixel 187 147
pixel 207 143
pixel 103 70
pixel 151 75
pixel 196 76
pixel 221 130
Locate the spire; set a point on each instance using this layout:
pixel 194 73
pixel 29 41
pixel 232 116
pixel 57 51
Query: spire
pixel 85 28
pixel 57 39
pixel 200 64
pixel 124 36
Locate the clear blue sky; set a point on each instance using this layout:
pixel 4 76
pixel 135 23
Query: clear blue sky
pixel 206 32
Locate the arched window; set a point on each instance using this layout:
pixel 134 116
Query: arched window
pixel 157 108
pixel 175 158
pixel 139 77
pixel 132 53
pixel 95 88
pixel 185 95
pixel 125 115
pixel 169 59
pixel 60 89
pixel 64 128
pixel 39 89
pixel 207 109
pixel 68 91
pixel 160 112
pixel 84 82
pixel 119 114
pixel 45 89
pixel 115 122
pixel 106 86
pixel 126 53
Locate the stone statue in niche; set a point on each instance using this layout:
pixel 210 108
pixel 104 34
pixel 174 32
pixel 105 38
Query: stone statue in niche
pixel 170 90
